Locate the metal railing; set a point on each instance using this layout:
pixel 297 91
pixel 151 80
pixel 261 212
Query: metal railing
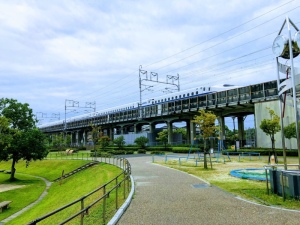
pixel 96 201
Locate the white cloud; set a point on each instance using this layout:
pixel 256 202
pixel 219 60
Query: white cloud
pixel 91 50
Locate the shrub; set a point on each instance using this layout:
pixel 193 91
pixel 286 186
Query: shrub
pixel 142 151
pixel 157 153
pixel 119 142
pixel 141 141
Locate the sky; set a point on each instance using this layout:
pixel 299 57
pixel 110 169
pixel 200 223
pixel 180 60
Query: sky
pixel 55 53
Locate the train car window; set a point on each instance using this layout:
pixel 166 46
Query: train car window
pixel 162 100
pixel 168 98
pixel 165 99
pixel 172 98
pixel 175 97
pixel 179 96
pixel 209 88
pixel 183 95
pixel 204 89
pixel 188 94
pixel 196 92
pixel 192 93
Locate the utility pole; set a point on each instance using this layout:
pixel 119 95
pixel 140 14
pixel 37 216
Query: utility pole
pixel 73 105
pixel 153 78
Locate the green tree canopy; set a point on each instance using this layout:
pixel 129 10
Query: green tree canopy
pixel 290 130
pixel 270 127
pixel 20 115
pixel 20 139
pixel 141 141
pixel 104 141
pixel 163 137
pixel 120 142
pixel 206 121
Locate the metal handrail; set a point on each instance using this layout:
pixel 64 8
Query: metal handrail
pixel 126 172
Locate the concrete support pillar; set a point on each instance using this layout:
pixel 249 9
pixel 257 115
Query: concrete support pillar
pixel 152 127
pixel 135 128
pixel 192 131
pixel 170 132
pixel 122 130
pixel 84 137
pixel 76 138
pixel 111 133
pixel 73 138
pixel 241 131
pixel 188 132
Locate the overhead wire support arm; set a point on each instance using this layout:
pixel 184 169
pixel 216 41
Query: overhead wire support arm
pixel 72 105
pixel 153 77
pixel 41 116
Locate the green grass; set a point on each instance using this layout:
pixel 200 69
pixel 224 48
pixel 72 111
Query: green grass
pixel 49 169
pixel 249 189
pixel 59 194
pixel 71 189
pixel 32 189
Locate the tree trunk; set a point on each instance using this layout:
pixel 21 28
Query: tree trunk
pixel 13 170
pixel 205 159
pixel 273 148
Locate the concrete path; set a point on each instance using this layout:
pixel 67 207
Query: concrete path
pixel 165 196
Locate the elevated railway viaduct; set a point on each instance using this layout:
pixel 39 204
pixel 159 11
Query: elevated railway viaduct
pixel 237 102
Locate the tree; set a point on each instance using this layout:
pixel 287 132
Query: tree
pixel 120 142
pixel 182 131
pixel 206 122
pixel 20 115
pixel 104 141
pixel 58 141
pixel 5 135
pixel 141 141
pixel 270 127
pixel 163 137
pixel 20 139
pixel 289 131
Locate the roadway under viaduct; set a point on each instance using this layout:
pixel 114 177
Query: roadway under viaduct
pixel 238 102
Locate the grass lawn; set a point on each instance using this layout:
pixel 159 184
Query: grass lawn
pixel 59 194
pixel 30 190
pixel 249 189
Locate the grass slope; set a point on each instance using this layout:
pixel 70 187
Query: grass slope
pixel 59 194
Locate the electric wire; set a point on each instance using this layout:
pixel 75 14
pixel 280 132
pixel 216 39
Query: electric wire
pixel 129 87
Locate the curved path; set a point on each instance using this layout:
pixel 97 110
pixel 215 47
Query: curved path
pixel 167 196
pixel 45 192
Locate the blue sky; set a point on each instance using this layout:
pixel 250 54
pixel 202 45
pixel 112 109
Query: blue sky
pixel 90 51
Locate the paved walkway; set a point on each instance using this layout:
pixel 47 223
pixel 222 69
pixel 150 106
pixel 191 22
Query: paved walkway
pixel 165 196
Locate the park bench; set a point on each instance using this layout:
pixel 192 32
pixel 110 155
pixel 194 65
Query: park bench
pixel 4 205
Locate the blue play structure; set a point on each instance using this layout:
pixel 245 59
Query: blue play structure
pixel 216 155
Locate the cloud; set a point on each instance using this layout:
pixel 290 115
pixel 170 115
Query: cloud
pixel 92 50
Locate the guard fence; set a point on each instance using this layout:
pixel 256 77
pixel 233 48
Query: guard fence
pixel 98 206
